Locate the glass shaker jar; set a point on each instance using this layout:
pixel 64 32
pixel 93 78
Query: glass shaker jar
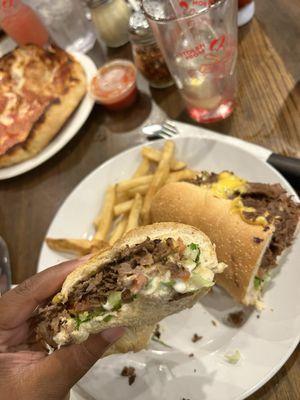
pixel 146 53
pixel 110 18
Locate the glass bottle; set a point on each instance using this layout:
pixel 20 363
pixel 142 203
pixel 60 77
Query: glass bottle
pixel 147 55
pixel 110 18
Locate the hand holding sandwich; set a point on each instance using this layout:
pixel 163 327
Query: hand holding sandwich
pixel 33 375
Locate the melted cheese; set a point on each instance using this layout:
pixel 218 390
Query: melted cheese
pixel 238 207
pixel 5 118
pixel 227 184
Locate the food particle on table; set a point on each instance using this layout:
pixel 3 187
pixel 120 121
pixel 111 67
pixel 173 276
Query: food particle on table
pixel 191 355
pixel 236 318
pixel 114 85
pixel 233 358
pixel 196 338
pixel 213 322
pixel 130 373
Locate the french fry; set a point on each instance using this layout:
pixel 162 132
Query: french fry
pixel 76 246
pixel 143 168
pixel 155 155
pixel 99 245
pixel 118 230
pixel 142 190
pixel 127 184
pixel 173 177
pixel 104 218
pixel 159 179
pixel 181 175
pixel 123 207
pixel 134 215
pixel 121 197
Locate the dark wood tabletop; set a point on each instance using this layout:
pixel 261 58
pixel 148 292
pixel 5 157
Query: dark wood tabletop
pixel 267 113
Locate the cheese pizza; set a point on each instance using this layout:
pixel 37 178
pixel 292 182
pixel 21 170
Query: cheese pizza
pixel 39 90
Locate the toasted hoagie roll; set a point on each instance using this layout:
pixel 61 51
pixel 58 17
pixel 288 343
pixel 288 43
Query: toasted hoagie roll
pixel 152 272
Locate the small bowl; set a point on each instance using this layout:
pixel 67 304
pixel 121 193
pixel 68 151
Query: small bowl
pixel 114 85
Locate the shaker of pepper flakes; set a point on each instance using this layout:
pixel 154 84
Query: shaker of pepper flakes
pixel 146 53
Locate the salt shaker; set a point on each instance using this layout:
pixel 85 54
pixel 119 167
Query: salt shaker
pixel 110 18
pixel 147 55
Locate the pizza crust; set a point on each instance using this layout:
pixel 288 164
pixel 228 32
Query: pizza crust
pixel 52 121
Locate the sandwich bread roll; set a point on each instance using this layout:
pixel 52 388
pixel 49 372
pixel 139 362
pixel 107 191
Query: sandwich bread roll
pixel 239 244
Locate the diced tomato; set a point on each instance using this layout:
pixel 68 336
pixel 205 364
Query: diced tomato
pixel 183 274
pixel 138 283
pixel 180 246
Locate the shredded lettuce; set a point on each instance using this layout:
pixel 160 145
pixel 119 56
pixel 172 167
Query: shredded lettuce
pixel 200 282
pixel 193 252
pixel 107 318
pixel 169 284
pixel 258 282
pixel 233 358
pixel 114 299
pixel 193 246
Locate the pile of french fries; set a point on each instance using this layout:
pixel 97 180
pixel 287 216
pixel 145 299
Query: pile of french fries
pixel 126 204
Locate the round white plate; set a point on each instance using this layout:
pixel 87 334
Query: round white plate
pixel 67 132
pixel 162 373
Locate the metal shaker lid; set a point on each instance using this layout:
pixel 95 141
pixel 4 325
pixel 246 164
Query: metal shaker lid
pixel 138 25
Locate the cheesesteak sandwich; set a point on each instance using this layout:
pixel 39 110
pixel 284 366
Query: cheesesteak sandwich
pixel 250 223
pixel 152 272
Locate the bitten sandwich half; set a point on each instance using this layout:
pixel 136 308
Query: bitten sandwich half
pixel 152 272
pixel 250 224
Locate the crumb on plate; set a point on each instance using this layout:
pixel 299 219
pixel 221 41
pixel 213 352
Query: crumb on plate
pixel 196 338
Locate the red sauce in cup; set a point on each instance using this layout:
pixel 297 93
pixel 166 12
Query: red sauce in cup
pixel 114 86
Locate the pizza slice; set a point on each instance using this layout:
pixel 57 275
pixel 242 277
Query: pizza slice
pixel 39 90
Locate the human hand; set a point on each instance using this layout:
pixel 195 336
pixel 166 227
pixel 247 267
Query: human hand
pixel 34 375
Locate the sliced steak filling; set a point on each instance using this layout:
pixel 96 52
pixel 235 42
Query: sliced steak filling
pixel 127 274
pixel 283 213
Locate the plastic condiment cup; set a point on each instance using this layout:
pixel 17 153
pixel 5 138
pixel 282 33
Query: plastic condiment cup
pixel 114 85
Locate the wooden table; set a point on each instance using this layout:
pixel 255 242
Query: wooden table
pixel 267 113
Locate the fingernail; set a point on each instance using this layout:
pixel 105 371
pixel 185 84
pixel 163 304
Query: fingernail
pixel 112 334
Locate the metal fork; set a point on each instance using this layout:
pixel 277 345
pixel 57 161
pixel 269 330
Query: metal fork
pixel 167 130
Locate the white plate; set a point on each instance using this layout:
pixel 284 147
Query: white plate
pixel 67 132
pixel 265 343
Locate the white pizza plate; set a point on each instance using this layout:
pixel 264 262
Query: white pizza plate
pixel 265 343
pixel 68 131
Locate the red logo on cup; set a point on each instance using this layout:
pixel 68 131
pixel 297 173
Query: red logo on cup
pixel 217 43
pixel 7 3
pixel 184 4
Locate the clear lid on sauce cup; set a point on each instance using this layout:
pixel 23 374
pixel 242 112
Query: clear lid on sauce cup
pixel 114 82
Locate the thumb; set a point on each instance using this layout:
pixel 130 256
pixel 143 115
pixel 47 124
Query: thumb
pixel 66 366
